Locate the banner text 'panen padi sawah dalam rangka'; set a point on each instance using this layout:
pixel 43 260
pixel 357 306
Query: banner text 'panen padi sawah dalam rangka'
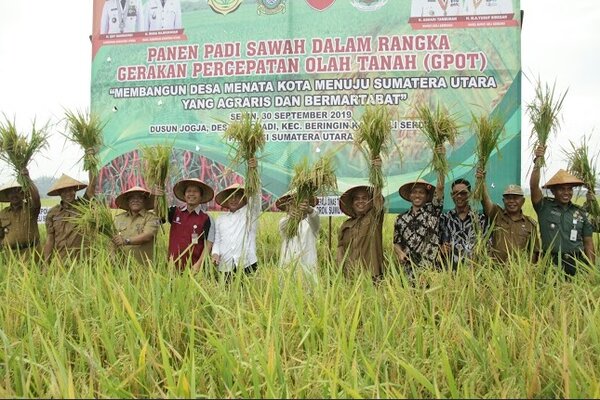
pixel 179 72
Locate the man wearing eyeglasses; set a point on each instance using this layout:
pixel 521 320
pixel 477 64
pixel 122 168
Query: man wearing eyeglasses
pixel 462 226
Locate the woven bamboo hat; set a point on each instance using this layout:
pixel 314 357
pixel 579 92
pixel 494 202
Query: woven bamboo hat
pixel 122 200
pixel 348 195
pixel 405 189
pixel 283 202
pixel 207 192
pixel 562 177
pixel 65 182
pixel 226 193
pixel 4 189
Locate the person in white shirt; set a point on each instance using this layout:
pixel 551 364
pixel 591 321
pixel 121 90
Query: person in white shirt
pixel 122 16
pixel 235 237
pixel 302 248
pixel 162 14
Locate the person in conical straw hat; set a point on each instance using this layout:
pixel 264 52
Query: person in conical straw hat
pixel 512 231
pixel 360 245
pixel 18 222
pixel 565 228
pixel 302 248
pixel 63 239
pixel 235 241
pixel 137 225
pixel 416 236
pixel 192 232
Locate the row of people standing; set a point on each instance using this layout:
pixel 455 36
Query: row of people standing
pixel 423 235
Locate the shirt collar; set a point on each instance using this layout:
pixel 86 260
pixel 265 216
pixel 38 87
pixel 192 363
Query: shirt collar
pixel 197 210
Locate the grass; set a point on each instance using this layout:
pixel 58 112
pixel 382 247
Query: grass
pixel 93 329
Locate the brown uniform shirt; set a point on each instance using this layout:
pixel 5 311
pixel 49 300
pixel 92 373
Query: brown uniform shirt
pixel 19 227
pixel 512 235
pixel 68 241
pixel 129 225
pixel 360 240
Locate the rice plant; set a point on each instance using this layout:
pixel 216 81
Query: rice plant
pixel 488 131
pixel 157 160
pixel 85 129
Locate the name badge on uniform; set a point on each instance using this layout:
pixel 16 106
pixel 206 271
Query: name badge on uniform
pixel 573 236
pixel 195 236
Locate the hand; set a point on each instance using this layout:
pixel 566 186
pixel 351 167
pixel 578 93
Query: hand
pixel 118 240
pixel 590 196
pixel 539 152
pixel 480 173
pixel 90 152
pixel 252 163
pixel 24 172
pixel 376 162
pixel 304 207
pixel 441 150
pixel 445 248
pixel 216 259
pixel 400 254
pixel 157 190
pixel 295 213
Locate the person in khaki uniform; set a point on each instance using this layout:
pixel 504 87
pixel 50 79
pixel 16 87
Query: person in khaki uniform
pixel 18 222
pixel 360 244
pixel 138 225
pixel 565 228
pixel 512 230
pixel 62 236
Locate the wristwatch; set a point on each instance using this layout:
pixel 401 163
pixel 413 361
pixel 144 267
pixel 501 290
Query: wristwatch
pixel 127 241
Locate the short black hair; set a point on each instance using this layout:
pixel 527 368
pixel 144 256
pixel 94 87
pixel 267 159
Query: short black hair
pixel 462 181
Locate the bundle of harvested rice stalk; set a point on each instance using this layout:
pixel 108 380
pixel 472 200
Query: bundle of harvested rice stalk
pixel 308 183
pixel 583 166
pixel 85 129
pixel 157 162
pixel 488 131
pixel 544 113
pixel 94 217
pixel 374 138
pixel 17 151
pixel 439 127
pixel 248 139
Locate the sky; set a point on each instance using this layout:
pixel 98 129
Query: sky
pixel 45 67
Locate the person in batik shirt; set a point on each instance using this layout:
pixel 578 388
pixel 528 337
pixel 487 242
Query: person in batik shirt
pixel 461 227
pixel 416 238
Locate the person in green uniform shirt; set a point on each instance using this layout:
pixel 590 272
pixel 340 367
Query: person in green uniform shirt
pixel 565 228
pixel 18 222
pixel 512 231
pixel 138 225
pixel 62 237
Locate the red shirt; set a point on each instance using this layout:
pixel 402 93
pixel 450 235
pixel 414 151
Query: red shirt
pixel 183 225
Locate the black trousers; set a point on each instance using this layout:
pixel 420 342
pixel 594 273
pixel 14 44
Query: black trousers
pixel 568 261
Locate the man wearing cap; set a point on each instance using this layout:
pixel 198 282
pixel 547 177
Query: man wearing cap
pixel 235 242
pixel 18 222
pixel 301 248
pixel 192 232
pixel 62 236
pixel 460 227
pixel 360 244
pixel 416 237
pixel 138 225
pixel 512 231
pixel 565 228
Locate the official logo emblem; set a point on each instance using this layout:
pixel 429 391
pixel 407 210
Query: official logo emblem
pixel 320 5
pixel 270 6
pixel 224 6
pixel 368 5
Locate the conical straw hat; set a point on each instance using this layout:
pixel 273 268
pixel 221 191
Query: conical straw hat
pixel 283 201
pixel 122 200
pixel 405 189
pixel 346 199
pixel 4 189
pixel 207 192
pixel 562 177
pixel 226 193
pixel 65 182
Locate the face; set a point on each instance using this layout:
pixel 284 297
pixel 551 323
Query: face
pixel 15 196
pixel 513 203
pixel 192 196
pixel 418 196
pixel 135 201
pixel 361 202
pixel 67 195
pixel 236 201
pixel 562 193
pixel 460 195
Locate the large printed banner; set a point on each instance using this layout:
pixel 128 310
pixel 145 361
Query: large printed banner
pixel 178 71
